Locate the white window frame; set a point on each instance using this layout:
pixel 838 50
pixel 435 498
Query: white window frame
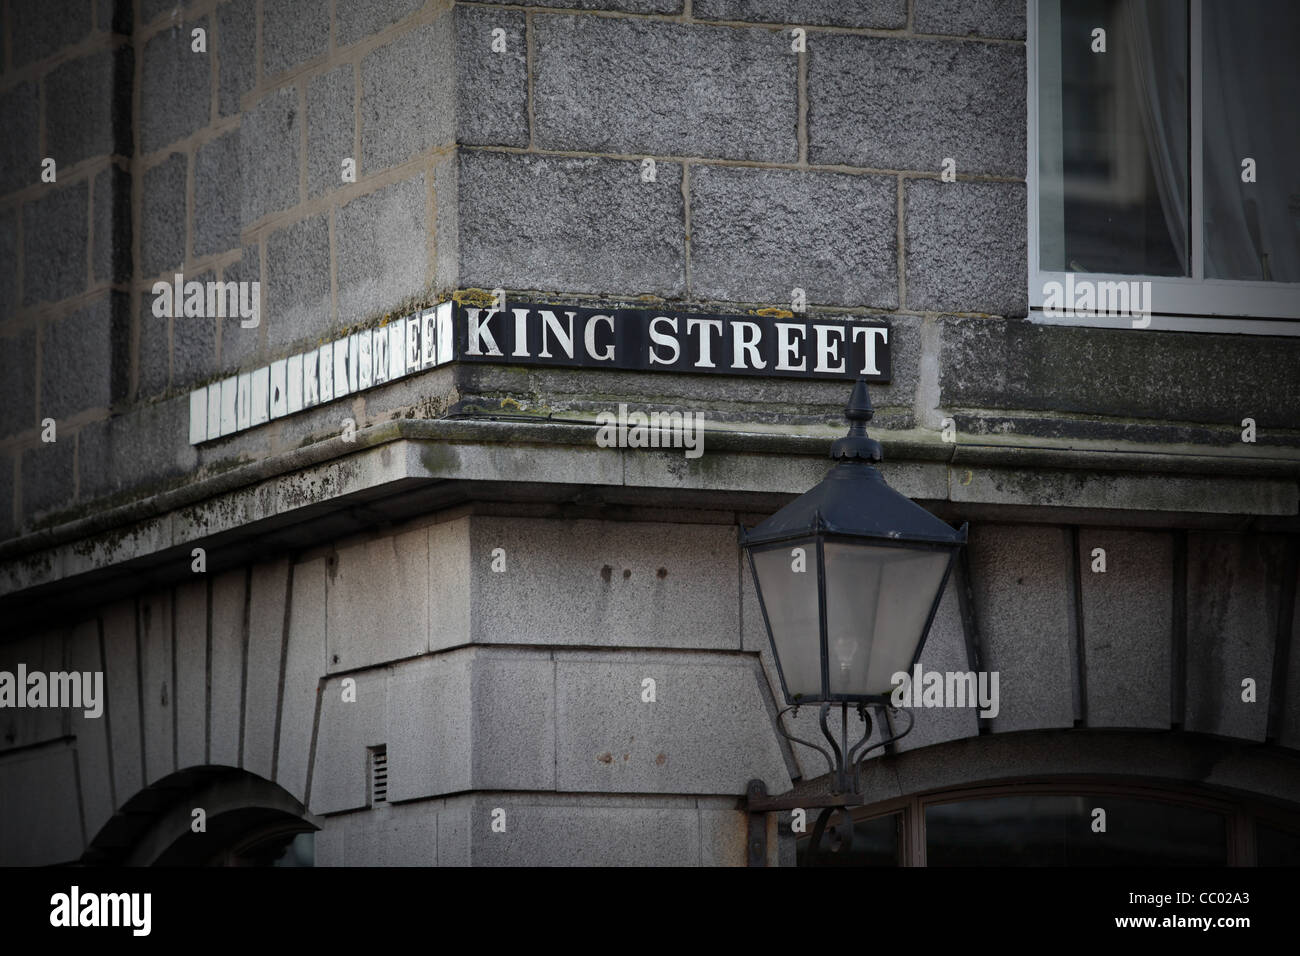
pixel 1186 304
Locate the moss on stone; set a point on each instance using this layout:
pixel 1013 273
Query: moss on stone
pixel 477 297
pixel 438 457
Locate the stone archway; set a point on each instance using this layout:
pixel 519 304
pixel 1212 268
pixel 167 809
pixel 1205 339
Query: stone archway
pixel 245 820
pixel 1245 785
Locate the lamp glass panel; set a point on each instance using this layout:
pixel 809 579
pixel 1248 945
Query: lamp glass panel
pixel 788 584
pixel 877 603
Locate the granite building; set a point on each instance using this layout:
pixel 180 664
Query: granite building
pixel 432 620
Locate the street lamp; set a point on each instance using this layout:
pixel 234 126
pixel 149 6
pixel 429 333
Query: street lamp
pixel 849 576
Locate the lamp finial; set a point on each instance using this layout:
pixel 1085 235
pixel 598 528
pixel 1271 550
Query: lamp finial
pixel 856 444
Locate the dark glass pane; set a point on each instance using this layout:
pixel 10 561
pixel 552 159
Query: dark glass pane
pixel 875 843
pixel 1252 111
pixel 301 851
pixel 1114 137
pixel 1054 830
pixel 283 849
pixel 1274 847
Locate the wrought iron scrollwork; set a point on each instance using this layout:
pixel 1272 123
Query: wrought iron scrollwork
pixel 844 760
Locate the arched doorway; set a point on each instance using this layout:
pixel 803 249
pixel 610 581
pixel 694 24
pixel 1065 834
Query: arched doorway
pixel 207 816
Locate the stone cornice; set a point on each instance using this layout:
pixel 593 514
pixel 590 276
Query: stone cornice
pixel 403 468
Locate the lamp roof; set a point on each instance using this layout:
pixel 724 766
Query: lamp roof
pixel 853 499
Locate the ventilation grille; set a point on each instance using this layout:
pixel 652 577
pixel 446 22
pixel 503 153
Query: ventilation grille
pixel 378 775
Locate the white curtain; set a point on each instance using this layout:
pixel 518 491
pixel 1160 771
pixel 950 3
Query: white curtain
pixel 1156 37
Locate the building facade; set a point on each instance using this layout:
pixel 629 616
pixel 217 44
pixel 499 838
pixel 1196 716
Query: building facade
pixel 433 620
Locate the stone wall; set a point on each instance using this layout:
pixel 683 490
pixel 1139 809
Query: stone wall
pixel 523 167
pixel 525 689
pixel 225 164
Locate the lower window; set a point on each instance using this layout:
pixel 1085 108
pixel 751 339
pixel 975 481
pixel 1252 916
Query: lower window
pixel 1049 823
pixel 1060 830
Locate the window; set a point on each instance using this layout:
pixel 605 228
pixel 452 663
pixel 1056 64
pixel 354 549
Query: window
pixel 279 849
pixel 1163 186
pixel 1276 846
pixel 1063 830
pixel 1055 823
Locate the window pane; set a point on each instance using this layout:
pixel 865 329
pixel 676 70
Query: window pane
pixel 875 843
pixel 1274 847
pixel 1056 830
pixel 1114 137
pixel 1251 92
pixel 301 852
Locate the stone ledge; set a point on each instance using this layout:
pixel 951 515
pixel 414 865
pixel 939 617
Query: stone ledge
pixel 401 468
pixel 913 445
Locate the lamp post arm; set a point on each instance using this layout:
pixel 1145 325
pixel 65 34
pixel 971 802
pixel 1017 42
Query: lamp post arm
pixel 853 751
pixel 838 765
pixel 858 759
pixel 830 761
